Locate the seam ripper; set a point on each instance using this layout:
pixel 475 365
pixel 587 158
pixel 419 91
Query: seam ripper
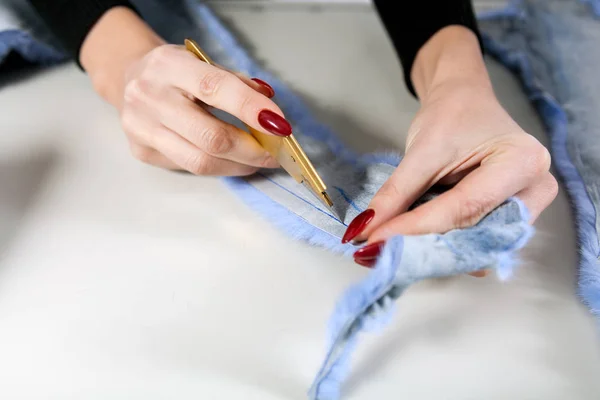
pixel 286 150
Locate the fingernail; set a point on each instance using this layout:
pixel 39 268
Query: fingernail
pixel 269 92
pixel 369 251
pixel 274 123
pixel 358 225
pixel 367 256
pixel 479 274
pixel 369 263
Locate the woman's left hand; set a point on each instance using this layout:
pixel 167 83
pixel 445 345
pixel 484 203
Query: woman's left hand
pixel 461 137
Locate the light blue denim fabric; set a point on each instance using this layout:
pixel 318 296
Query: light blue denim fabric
pixel 518 39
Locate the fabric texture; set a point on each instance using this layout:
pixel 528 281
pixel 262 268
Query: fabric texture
pixel 355 178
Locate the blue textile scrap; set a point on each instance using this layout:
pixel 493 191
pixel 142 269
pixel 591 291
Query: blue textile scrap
pixel 516 36
pixel 552 47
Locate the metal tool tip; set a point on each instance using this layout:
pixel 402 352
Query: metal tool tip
pixel 331 206
pixel 327 199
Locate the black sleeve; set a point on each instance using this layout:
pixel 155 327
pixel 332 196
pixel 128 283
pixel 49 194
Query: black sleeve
pixel 410 24
pixel 71 20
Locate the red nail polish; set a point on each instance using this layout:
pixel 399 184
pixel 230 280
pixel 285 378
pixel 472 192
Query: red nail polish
pixel 268 89
pixel 274 123
pixel 369 251
pixel 369 263
pixel 358 225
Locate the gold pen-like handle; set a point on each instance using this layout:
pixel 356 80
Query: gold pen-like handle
pixel 270 143
pixel 296 163
pixel 195 49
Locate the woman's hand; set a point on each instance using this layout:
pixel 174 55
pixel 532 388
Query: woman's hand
pixel 167 125
pixel 461 137
pixel 163 94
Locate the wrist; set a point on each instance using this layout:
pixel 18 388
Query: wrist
pixel 451 57
pixel 118 39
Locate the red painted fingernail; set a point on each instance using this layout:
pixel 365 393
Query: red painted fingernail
pixel 269 92
pixel 369 251
pixel 367 256
pixel 358 225
pixel 274 123
pixel 369 263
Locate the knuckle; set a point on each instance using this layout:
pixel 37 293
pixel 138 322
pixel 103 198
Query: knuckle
pixel 390 190
pixel 268 162
pixel 542 159
pixel 136 91
pixel 159 57
pixel 198 164
pixel 244 104
pixel 469 211
pixel 141 153
pixel 553 187
pixel 535 156
pixel 216 140
pixel 390 198
pixel 127 122
pixel 211 82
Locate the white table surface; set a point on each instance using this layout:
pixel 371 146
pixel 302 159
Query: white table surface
pixel 123 281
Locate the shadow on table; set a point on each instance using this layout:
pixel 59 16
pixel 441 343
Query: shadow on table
pixel 20 182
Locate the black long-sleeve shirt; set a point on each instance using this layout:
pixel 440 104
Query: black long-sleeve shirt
pixel 409 24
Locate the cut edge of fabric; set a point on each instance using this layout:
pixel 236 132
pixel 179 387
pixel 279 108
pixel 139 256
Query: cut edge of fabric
pixel 285 220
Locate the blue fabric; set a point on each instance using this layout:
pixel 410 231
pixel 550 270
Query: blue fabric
pixel 552 46
pixel 23 33
pixel 493 243
pixel 30 50
pixel 406 260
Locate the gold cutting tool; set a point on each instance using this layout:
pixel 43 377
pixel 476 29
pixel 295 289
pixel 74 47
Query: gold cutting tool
pixel 285 150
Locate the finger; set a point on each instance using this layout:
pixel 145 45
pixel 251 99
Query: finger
pixel 152 157
pixel 189 158
pixel 536 198
pixel 212 135
pixel 539 196
pixel 225 91
pixel 480 274
pixel 416 173
pixel 456 176
pixel 257 84
pixel 472 198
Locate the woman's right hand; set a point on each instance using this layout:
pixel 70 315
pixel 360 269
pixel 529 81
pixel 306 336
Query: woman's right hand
pixel 165 115
pixel 163 94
